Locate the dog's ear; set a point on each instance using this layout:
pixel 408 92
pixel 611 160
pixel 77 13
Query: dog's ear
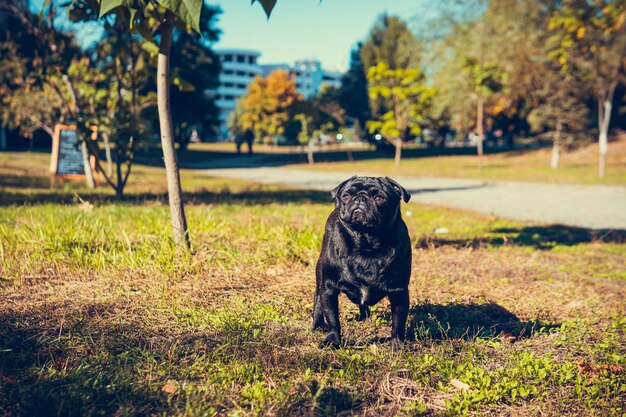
pixel 404 194
pixel 335 193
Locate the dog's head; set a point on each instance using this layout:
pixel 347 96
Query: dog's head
pixel 369 203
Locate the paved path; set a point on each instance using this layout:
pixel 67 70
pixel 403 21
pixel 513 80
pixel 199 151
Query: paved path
pixel 594 207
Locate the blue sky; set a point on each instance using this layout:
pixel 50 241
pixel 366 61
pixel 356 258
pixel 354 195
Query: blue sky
pixel 304 29
pixel 297 29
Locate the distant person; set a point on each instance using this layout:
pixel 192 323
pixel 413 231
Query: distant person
pixel 238 142
pixel 248 137
pixel 194 138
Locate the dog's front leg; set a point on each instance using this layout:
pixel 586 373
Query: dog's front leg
pixel 399 314
pixel 329 300
pixel 318 316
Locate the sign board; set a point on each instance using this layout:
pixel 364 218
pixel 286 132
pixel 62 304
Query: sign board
pixel 69 157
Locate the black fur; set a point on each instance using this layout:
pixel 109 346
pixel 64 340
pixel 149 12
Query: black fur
pixel 366 254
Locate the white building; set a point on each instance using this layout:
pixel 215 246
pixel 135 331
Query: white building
pixel 240 67
pixel 309 75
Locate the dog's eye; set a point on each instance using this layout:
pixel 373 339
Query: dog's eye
pixel 379 199
pixel 346 197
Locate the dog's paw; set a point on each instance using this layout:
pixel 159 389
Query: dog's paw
pixel 332 340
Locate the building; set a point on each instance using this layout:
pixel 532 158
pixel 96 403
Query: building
pixel 309 75
pixel 240 67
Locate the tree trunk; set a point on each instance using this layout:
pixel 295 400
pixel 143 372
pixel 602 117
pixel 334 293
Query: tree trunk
pixel 3 137
pixel 309 152
pixel 177 209
pixel 603 141
pixel 91 183
pixel 398 144
pixel 480 130
pixel 107 153
pixel 556 146
pixel 119 189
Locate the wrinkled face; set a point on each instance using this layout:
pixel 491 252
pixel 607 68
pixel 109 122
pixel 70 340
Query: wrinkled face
pixel 369 203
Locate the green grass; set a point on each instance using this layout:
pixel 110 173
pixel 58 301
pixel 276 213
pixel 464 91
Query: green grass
pixel 99 315
pixel 577 167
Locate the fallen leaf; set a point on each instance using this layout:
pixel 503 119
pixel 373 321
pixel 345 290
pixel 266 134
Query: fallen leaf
pixel 460 385
pixel 170 387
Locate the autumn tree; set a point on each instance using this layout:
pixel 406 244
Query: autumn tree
pixel 485 79
pixel 389 41
pixel 507 35
pixel 34 85
pixel 409 97
pixel 264 108
pixel 592 42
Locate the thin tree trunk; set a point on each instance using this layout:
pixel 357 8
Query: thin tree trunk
pixel 91 183
pixel 556 146
pixel 177 209
pixel 398 143
pixel 603 141
pixel 480 130
pixel 107 153
pixel 119 188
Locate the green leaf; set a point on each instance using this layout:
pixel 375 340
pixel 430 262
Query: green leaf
pixel 107 5
pixel 144 29
pixel 186 10
pixel 150 47
pixel 44 6
pixel 268 6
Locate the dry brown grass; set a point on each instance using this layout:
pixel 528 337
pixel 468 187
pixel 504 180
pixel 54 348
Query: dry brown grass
pixel 98 314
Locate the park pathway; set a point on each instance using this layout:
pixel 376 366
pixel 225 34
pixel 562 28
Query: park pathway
pixel 593 207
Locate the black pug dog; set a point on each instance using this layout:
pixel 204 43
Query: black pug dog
pixel 366 254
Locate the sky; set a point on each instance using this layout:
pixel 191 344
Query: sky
pixel 325 30
pixel 307 29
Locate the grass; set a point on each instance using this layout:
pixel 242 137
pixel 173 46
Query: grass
pixel 100 316
pixel 577 167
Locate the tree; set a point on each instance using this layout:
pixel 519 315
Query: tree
pixel 166 12
pixel 265 107
pixel 329 102
pixel 562 111
pixel 353 91
pixel 486 79
pixel 126 102
pixel 100 88
pixel 506 33
pixel 592 42
pixel 409 96
pixel 33 80
pixel 195 69
pixel 389 41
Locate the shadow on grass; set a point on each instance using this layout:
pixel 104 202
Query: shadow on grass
pixel 438 322
pixel 201 197
pixel 24 181
pixel 538 237
pixel 63 372
pixel 207 159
